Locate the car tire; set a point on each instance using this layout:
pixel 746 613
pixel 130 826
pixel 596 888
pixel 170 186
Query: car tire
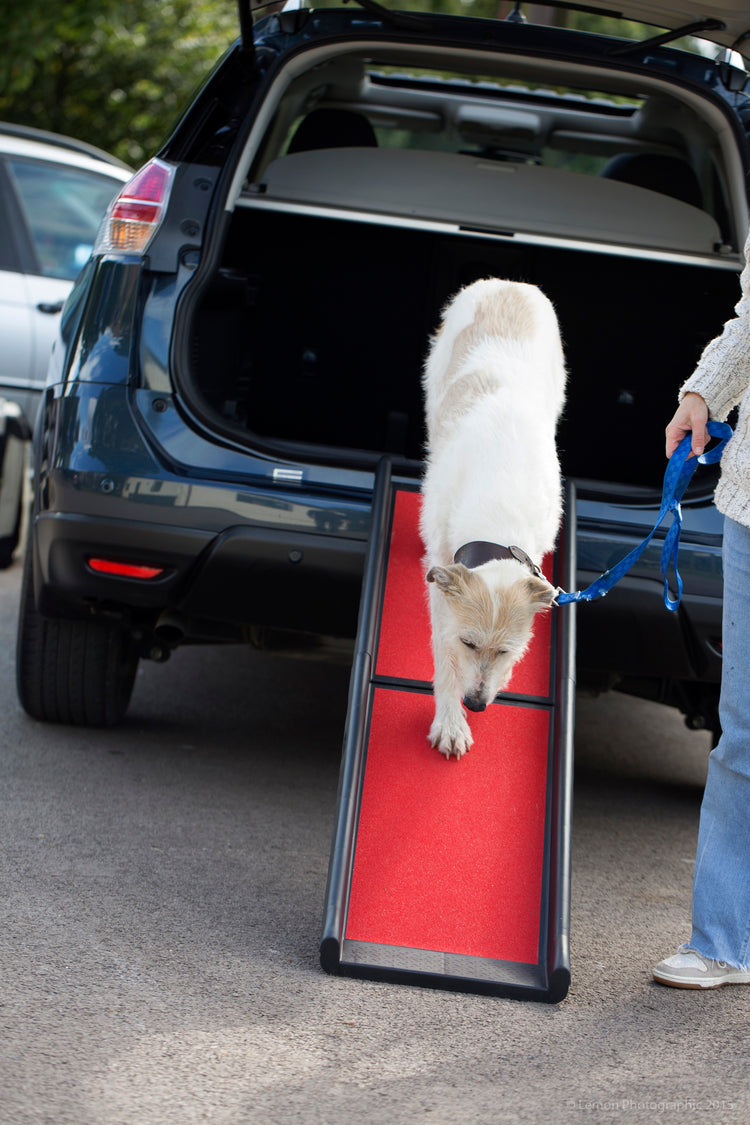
pixel 79 672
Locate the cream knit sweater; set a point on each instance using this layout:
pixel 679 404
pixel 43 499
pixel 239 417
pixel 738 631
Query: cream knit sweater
pixel 722 378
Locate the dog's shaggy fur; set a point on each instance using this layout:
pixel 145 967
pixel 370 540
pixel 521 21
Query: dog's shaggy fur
pixel 494 386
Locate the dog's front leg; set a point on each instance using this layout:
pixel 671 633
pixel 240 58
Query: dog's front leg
pixel 449 732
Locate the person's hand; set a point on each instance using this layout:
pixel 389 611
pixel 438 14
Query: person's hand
pixel 691 415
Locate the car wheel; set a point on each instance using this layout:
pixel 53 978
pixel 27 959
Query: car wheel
pixel 79 672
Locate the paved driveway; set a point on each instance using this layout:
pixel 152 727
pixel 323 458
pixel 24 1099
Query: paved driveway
pixel 162 889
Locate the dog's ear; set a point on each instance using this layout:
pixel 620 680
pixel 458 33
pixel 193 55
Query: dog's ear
pixel 450 579
pixel 541 594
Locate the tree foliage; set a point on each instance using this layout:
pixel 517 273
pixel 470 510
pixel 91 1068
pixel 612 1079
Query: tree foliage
pixel 115 73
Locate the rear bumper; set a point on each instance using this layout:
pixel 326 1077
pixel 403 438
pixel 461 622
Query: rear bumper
pixel 630 634
pixel 238 550
pixel 287 579
pixel 240 577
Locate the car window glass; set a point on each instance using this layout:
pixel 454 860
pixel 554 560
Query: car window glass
pixel 505 120
pixel 63 208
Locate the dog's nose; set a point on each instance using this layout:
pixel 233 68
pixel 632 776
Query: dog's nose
pixel 474 702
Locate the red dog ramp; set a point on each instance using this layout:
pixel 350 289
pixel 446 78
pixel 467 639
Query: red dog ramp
pixel 453 874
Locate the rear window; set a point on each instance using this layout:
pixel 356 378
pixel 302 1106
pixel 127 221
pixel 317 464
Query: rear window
pixel 516 151
pixel 510 123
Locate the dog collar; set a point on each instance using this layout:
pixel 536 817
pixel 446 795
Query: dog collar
pixel 475 554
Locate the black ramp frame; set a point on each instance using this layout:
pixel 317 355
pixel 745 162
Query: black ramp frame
pixel 549 979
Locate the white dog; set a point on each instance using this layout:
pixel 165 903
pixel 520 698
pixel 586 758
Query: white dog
pixel 494 384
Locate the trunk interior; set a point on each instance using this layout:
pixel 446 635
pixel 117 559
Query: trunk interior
pixel 314 331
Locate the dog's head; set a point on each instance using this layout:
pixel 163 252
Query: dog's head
pixel 491 623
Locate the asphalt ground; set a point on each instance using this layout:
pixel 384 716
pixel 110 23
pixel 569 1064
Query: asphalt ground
pixel 162 890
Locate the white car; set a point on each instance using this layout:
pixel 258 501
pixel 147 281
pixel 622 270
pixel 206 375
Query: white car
pixel 53 193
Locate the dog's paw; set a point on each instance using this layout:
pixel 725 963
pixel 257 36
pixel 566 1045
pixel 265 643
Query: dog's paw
pixel 452 737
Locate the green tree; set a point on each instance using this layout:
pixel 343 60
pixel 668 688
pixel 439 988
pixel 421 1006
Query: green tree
pixel 115 73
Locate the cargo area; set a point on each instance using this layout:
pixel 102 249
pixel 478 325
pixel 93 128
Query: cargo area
pixel 385 180
pixel 314 331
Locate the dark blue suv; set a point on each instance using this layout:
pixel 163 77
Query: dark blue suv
pixel 245 343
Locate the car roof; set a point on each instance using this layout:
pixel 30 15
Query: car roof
pixel 22 140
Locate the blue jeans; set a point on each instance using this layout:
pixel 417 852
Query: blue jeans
pixel 721 885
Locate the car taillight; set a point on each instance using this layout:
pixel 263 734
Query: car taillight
pixel 124 569
pixel 135 214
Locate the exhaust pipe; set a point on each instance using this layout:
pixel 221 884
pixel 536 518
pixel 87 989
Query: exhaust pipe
pixel 168 632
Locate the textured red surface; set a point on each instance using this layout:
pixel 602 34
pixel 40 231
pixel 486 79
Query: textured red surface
pixel 404 650
pixel 449 854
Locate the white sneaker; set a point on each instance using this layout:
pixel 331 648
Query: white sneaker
pixel 690 969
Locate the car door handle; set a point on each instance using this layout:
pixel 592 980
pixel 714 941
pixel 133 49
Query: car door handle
pixel 51 307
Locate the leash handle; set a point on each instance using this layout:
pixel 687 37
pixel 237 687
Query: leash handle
pixel 680 469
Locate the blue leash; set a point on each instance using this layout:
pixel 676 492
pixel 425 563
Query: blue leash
pixel 680 469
